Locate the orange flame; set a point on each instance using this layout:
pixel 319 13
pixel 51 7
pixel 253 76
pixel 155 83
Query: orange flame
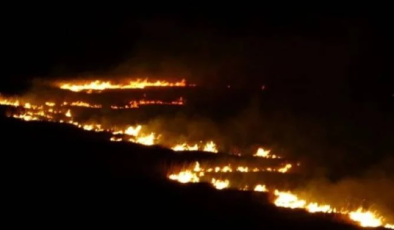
pixel 104 85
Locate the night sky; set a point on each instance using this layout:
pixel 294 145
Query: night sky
pixel 324 51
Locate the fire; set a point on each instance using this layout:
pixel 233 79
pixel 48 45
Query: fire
pixel 260 188
pixel 185 147
pixel 50 104
pixel 104 85
pixel 366 218
pixel 185 177
pixel 84 104
pixel 315 207
pixel 220 184
pixel 146 140
pixel 286 168
pixel 136 104
pixel 9 102
pixel 241 169
pixel 56 112
pixel 68 113
pixel 288 200
pixel 283 199
pixel 265 153
pixel 391 226
pixel 116 139
pixel 208 147
pixel 157 102
pixel 133 131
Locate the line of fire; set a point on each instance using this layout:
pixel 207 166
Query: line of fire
pixel 256 169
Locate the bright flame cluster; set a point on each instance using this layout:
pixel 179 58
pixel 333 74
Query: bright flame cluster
pixel 208 147
pixel 53 112
pixel 48 111
pixel 137 103
pixel 284 199
pixel 265 154
pixel 98 85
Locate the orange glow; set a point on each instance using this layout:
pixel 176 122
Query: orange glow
pixel 365 218
pixel 260 188
pixel 214 174
pixel 208 147
pixel 265 153
pixel 84 104
pixel 220 184
pixel 283 199
pixel 390 226
pixel 136 104
pixel 98 85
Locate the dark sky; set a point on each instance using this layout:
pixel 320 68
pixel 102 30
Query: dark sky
pixel 281 48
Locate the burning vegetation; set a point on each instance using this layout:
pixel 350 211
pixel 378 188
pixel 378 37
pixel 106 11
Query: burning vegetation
pixel 220 175
pixel 98 85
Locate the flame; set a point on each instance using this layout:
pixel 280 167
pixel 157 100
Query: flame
pixel 104 85
pixel 315 207
pixel 210 147
pixel 265 153
pixel 146 140
pixel 391 226
pixel 260 188
pixel 365 218
pixel 242 169
pixel 185 147
pixel 286 168
pixel 9 102
pixel 133 131
pixel 220 184
pixel 283 199
pixel 50 104
pixel 197 173
pixel 288 200
pixel 185 177
pixel 84 104
pixel 68 113
pixel 136 104
pixel 116 139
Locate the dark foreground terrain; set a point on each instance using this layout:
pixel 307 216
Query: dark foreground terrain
pixel 58 175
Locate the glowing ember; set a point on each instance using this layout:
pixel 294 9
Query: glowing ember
pixel 103 85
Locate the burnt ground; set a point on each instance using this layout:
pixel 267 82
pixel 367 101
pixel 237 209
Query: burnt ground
pixel 57 175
